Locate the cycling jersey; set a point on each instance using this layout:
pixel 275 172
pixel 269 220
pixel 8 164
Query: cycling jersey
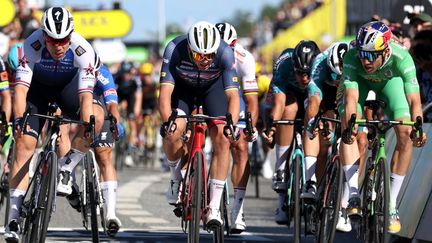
pixel 191 83
pixel 283 74
pixel 391 83
pixel 36 61
pixel 4 80
pixel 105 86
pixel 177 66
pixel 245 67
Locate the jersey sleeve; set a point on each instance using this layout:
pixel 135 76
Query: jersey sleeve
pixel 408 74
pixel 166 76
pixel 319 75
pixel 350 71
pixel 249 82
pixel 229 73
pixel 85 61
pixel 106 79
pixel 4 79
pixel 29 56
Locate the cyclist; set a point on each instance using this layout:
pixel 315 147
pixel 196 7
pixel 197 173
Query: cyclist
pixel 322 89
pixel 263 82
pixel 199 66
pixel 379 64
pixel 105 100
pixel 245 67
pixel 291 75
pixel 5 95
pixel 53 58
pixel 129 92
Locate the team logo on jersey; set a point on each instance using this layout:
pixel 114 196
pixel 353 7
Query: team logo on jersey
pixel 110 92
pixel 388 73
pixel 36 45
pixel 89 69
pixel 80 50
pixel 23 61
pixel 235 79
pixel 163 74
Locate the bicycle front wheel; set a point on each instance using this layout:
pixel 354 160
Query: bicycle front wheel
pixel 330 201
pixel 45 199
pixel 381 195
pixel 196 183
pixel 296 197
pixel 92 196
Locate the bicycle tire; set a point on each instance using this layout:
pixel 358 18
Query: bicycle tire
pixel 331 201
pixel 367 199
pixel 4 180
pixel 296 199
pixel 196 177
pixel 224 208
pixel 45 199
pixel 92 196
pixel 119 156
pixel 381 204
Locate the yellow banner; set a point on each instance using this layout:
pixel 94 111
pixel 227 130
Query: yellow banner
pixel 7 12
pixel 324 25
pixel 101 24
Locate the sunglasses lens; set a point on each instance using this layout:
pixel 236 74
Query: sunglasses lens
pixel 199 56
pixel 58 41
pixel 371 56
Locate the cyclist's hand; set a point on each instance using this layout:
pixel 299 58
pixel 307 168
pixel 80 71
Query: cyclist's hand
pixel 311 134
pixel 329 138
pixel 232 137
pixel 417 140
pixel 18 124
pixel 269 135
pixel 348 136
pixel 252 137
pixel 165 130
pixel 121 131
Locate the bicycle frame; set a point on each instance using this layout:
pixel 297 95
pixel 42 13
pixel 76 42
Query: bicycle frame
pixel 297 152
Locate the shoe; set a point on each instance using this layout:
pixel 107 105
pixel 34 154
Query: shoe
pixel 74 198
pixel 129 161
pixel 238 223
pixel 173 193
pixel 281 217
pixel 64 188
pixel 279 183
pixel 213 218
pixel 267 171
pixel 12 232
pixel 344 223
pixel 353 210
pixel 394 222
pixel 113 225
pixel 309 193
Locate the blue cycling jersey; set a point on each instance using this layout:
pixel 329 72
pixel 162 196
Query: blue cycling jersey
pixel 105 86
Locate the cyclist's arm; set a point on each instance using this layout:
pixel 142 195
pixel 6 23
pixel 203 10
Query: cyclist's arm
pixel 319 74
pixel 6 105
pixel 279 105
pixel 250 87
pixel 411 86
pixel 114 110
pixel 350 78
pixel 278 88
pixel 138 102
pixel 230 83
pixel 165 101
pixel 167 81
pixel 19 100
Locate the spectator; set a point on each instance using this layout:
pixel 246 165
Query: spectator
pixel 420 22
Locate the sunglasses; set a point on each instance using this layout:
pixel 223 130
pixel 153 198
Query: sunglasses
pixel 300 73
pixel 60 42
pixel 335 77
pixel 201 57
pixel 369 55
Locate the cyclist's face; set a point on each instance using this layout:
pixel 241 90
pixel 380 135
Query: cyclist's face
pixel 202 61
pixel 302 79
pixel 57 47
pixel 371 61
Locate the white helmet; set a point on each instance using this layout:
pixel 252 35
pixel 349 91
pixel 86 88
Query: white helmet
pixel 57 22
pixel 335 57
pixel 227 32
pixel 203 38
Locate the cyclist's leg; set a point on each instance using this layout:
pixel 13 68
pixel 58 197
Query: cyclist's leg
pixel 215 103
pixel 398 109
pixel 350 154
pixel 18 182
pixel 173 144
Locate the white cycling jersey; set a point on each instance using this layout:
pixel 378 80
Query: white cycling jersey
pixel 36 61
pixel 245 67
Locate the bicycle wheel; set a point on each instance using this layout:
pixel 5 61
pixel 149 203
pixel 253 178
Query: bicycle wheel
pixel 331 201
pixel 43 209
pixel 380 216
pixel 224 208
pixel 255 167
pixel 119 155
pixel 296 199
pixel 367 200
pixel 92 196
pixel 196 180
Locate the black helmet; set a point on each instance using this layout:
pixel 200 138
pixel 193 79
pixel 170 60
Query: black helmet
pixel 304 54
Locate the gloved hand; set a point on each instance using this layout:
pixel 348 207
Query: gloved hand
pixel 121 131
pixel 311 134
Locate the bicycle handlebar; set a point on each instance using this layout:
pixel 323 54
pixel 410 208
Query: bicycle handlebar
pixel 325 131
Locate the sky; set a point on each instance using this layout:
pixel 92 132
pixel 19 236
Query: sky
pixel 144 13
